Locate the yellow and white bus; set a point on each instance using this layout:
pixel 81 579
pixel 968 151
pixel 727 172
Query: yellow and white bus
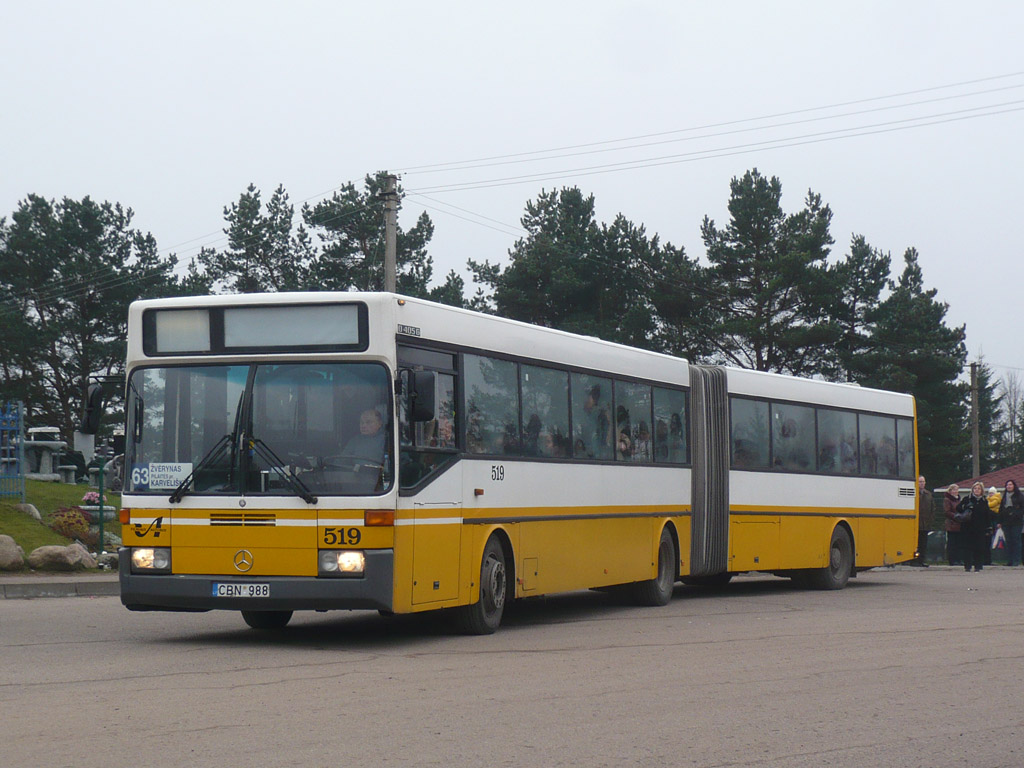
pixel 318 451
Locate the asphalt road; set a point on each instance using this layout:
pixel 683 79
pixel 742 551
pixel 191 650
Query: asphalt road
pixel 905 667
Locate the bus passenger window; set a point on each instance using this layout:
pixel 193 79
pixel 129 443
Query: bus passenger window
pixel 633 422
pixel 905 447
pixel 670 425
pixel 793 438
pixel 492 406
pixel 546 400
pixel 837 442
pixel 591 419
pixel 878 446
pixel 749 433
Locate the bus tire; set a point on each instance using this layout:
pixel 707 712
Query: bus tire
pixel 840 563
pixel 267 619
pixel 484 616
pixel 658 591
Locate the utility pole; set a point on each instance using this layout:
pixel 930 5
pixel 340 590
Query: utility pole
pixel 975 434
pixel 390 231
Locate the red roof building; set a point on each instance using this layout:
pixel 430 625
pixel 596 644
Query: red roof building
pixel 995 479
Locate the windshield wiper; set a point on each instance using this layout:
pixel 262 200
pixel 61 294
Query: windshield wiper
pixel 209 458
pixel 300 488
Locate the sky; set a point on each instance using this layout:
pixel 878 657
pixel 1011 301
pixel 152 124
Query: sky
pixel 906 117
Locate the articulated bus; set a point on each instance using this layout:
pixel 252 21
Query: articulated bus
pixel 320 451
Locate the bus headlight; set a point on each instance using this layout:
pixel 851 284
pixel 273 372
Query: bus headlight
pixel 342 562
pixel 151 560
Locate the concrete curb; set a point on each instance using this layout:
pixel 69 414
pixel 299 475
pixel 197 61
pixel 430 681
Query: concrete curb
pixel 29 587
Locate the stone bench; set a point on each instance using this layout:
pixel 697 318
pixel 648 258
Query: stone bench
pixel 67 473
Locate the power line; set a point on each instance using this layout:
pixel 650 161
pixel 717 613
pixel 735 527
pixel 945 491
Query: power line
pixel 500 162
pixel 739 149
pixel 722 124
pixel 516 231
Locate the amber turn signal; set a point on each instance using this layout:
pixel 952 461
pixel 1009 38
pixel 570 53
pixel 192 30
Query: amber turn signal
pixel 125 516
pixel 379 517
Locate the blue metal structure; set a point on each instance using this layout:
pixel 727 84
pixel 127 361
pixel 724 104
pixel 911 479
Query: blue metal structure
pixel 12 450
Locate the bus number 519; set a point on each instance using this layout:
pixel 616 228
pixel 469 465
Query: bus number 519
pixel 342 536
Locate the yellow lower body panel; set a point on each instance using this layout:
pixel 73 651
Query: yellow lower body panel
pixel 254 561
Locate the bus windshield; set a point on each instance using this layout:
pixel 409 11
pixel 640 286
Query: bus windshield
pixel 257 429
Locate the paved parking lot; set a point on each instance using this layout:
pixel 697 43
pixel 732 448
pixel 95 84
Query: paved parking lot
pixel 905 667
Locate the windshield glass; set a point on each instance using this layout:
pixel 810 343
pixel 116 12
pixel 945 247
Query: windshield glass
pixel 326 425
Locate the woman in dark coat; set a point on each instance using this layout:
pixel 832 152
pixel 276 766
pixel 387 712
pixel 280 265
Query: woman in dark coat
pixel 975 527
pixel 954 552
pixel 1011 517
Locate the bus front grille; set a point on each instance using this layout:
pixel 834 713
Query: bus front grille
pixel 262 519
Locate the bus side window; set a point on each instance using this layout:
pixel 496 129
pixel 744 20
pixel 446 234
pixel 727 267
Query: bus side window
pixel 750 440
pixel 669 425
pixel 546 400
pixel 591 417
pixel 492 405
pixel 878 445
pixel 837 442
pixel 793 438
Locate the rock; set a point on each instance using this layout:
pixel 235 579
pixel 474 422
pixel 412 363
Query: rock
pixel 107 561
pixel 56 558
pixel 30 510
pixel 12 557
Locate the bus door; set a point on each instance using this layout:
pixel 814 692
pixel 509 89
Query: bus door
pixel 430 475
pixel 709 409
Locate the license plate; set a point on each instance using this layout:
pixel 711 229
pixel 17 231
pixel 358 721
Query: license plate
pixel 241 590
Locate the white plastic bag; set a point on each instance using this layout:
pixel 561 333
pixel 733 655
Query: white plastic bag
pixel 998 539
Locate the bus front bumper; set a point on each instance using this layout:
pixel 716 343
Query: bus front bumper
pixel 177 592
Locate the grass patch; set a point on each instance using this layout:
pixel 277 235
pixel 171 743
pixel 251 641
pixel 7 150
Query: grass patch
pixel 47 497
pixel 28 532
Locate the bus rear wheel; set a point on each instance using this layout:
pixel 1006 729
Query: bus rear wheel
pixel 484 616
pixel 840 563
pixel 658 591
pixel 267 619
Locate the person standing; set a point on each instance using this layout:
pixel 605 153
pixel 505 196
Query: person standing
pixel 925 515
pixel 954 552
pixel 1011 517
pixel 975 520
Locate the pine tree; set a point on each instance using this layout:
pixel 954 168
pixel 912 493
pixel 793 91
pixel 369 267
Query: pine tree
pixel 912 350
pixel 263 254
pixel 68 271
pixel 772 286
pixel 859 280
pixel 612 281
pixel 350 227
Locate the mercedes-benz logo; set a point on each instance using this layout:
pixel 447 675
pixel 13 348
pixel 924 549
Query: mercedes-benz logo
pixel 243 560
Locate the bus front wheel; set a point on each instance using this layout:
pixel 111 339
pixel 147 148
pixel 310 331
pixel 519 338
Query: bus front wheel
pixel 484 616
pixel 267 619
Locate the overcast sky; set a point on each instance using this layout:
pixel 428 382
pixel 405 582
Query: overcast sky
pixel 904 116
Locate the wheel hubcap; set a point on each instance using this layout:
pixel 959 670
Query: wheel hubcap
pixel 493 584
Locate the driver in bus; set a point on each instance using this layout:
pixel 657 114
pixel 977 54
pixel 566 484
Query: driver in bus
pixel 369 443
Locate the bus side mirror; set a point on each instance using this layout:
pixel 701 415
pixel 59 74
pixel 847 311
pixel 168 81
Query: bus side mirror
pixel 422 385
pixel 92 410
